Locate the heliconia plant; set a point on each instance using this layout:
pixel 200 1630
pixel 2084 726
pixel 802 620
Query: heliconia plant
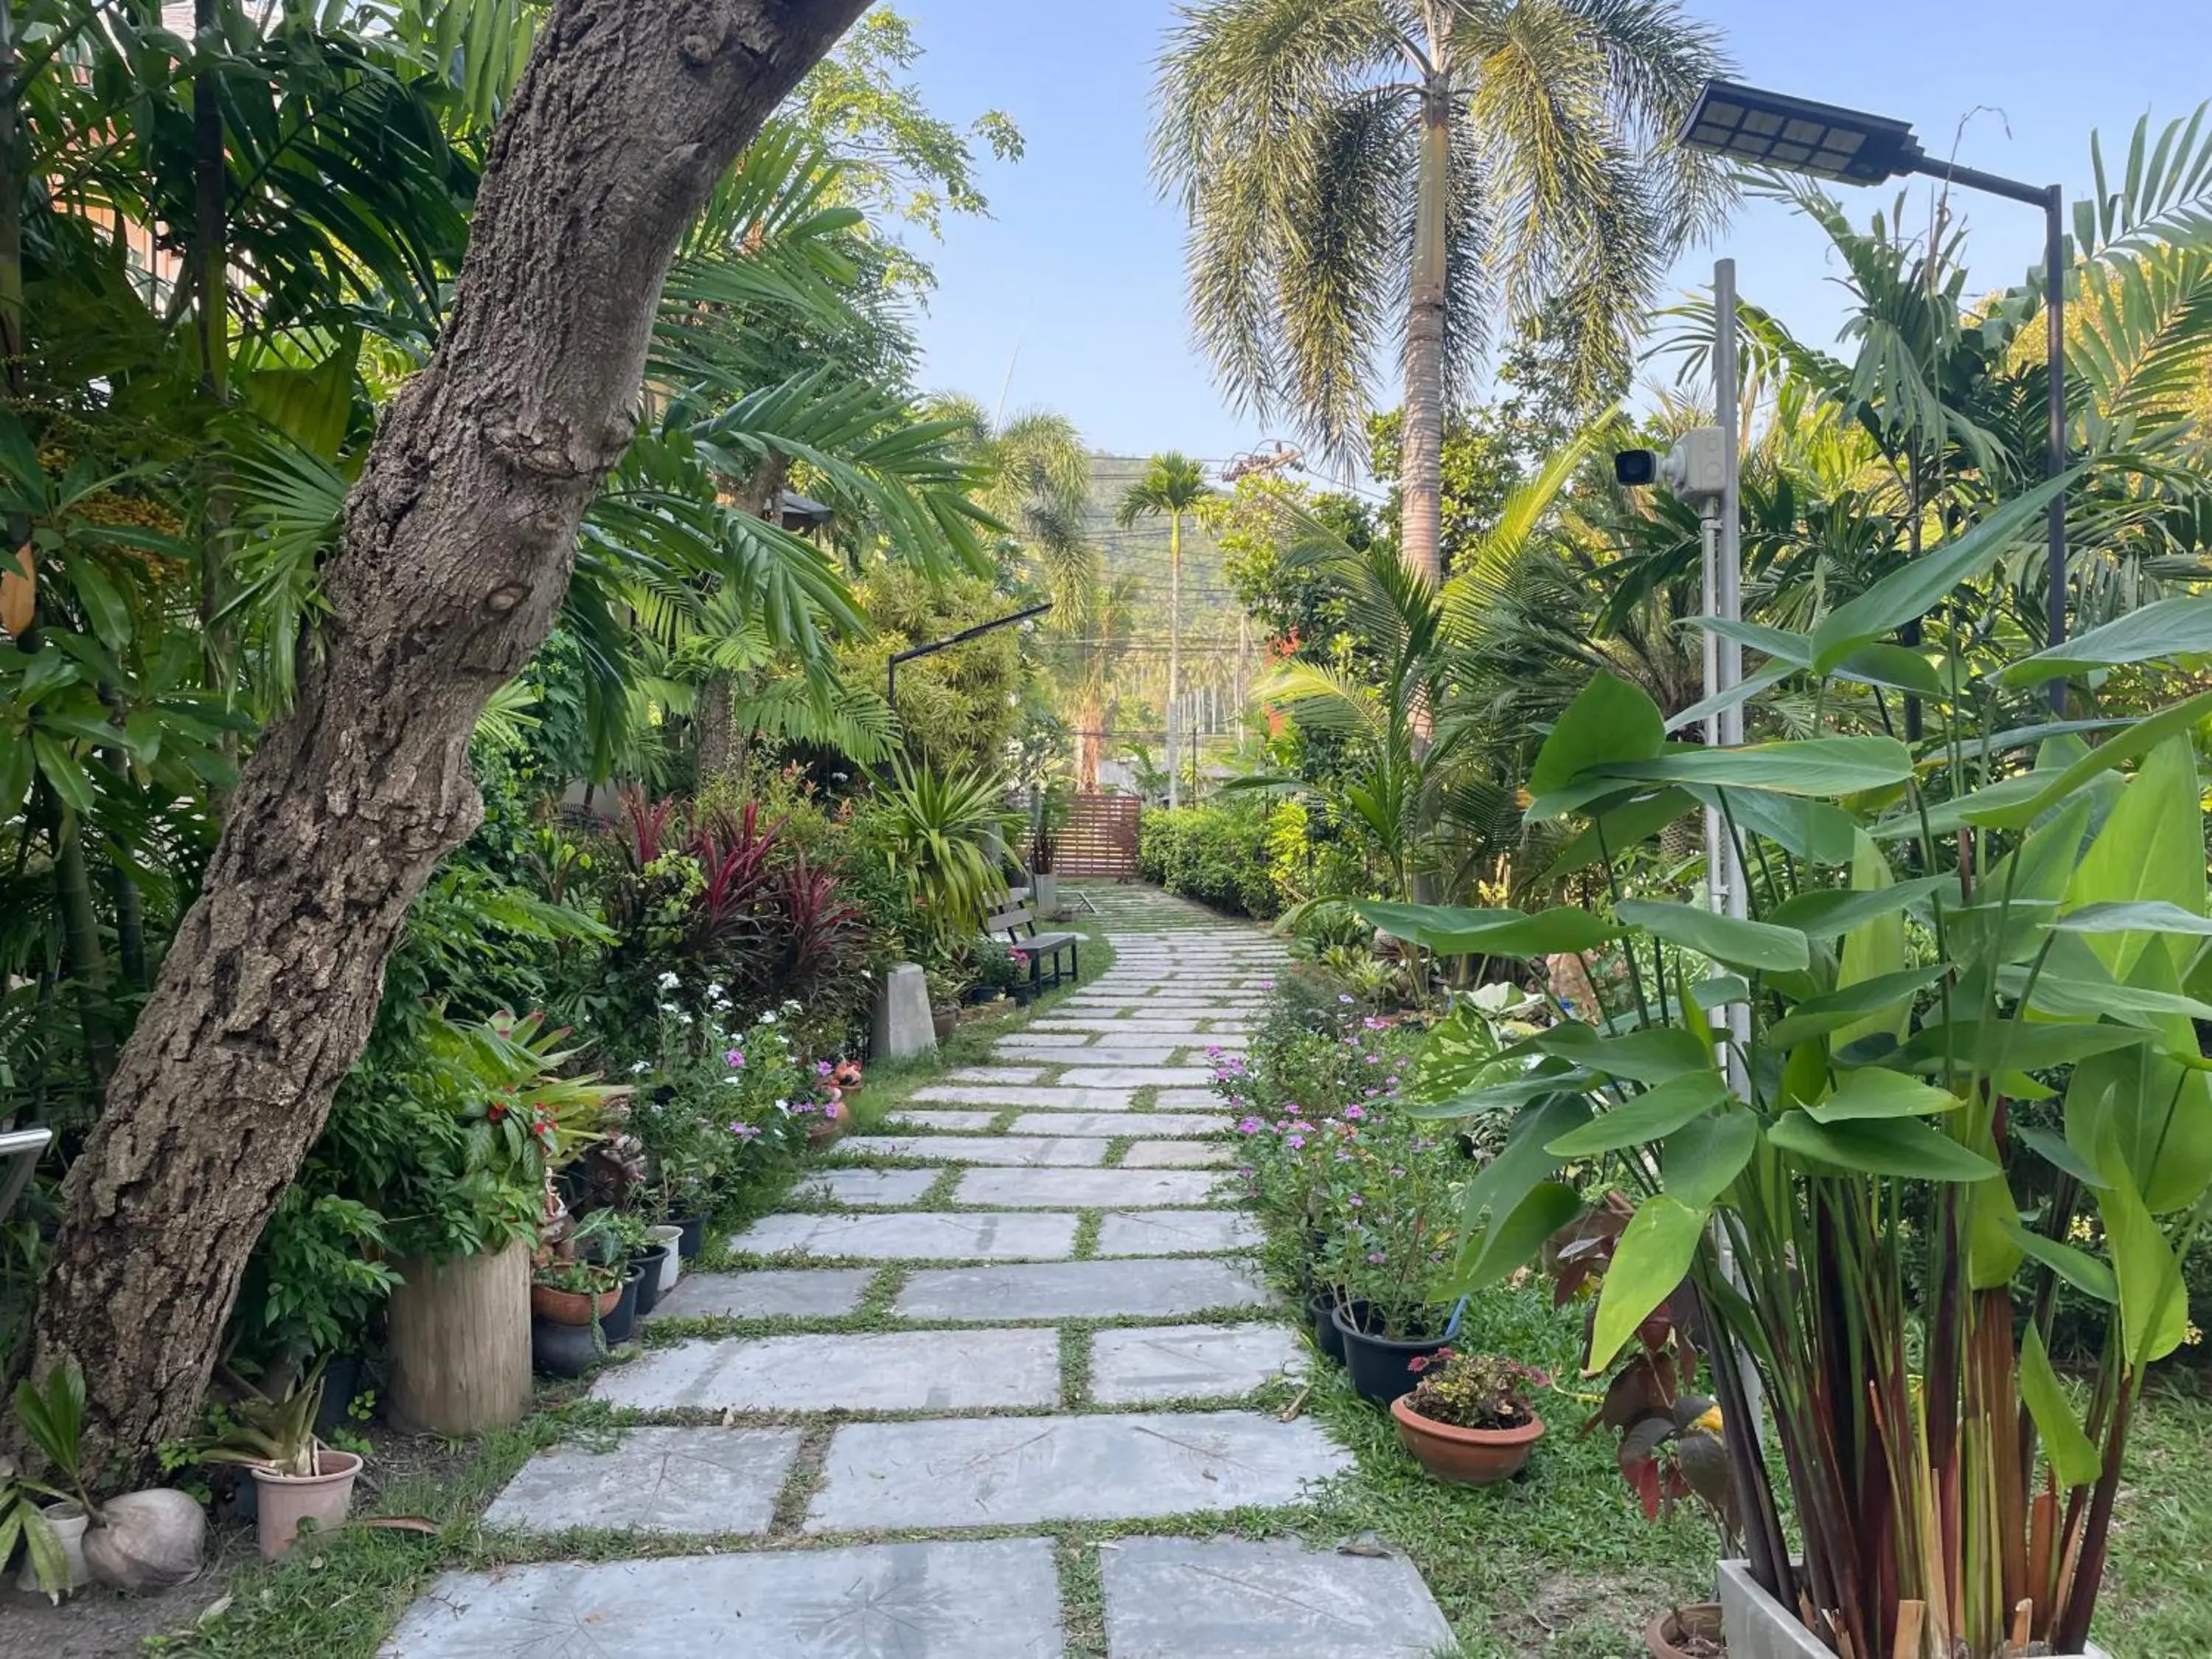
pixel 1823 1112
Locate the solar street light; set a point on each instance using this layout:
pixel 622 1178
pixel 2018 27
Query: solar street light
pixel 1759 128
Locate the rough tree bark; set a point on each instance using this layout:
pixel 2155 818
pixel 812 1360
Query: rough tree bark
pixel 458 542
pixel 1420 478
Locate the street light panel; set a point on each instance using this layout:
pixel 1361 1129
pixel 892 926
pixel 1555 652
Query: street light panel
pixel 1773 129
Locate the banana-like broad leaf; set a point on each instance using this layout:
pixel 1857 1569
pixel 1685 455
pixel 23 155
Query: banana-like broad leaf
pixel 1652 1115
pixel 1650 1259
pixel 1886 996
pixel 1615 832
pixel 1831 911
pixel 1702 1159
pixel 2074 1459
pixel 1740 942
pixel 2153 1304
pixel 1610 721
pixel 1820 767
pixel 1874 1092
pixel 2165 629
pixel 1903 1147
pixel 2079 1268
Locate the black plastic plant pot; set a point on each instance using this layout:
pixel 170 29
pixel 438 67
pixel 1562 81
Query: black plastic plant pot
pixel 650 1260
pixel 694 1229
pixel 1321 1308
pixel 617 1325
pixel 340 1382
pixel 1381 1369
pixel 563 1350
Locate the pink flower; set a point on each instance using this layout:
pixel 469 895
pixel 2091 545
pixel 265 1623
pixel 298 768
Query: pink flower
pixel 1295 1142
pixel 735 1057
pixel 1250 1126
pixel 1355 1111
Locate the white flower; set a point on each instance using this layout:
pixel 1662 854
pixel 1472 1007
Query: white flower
pixel 712 989
pixel 669 981
pixel 668 1008
pixel 768 1019
pixel 792 1005
pixel 783 1106
pixel 643 1066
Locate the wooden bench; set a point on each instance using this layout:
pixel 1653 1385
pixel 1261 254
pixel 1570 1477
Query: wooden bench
pixel 1019 925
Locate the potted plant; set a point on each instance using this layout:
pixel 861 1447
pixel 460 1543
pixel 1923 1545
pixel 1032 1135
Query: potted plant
pixel 296 1479
pixel 612 1239
pixel 1694 1630
pixel 1818 1088
pixel 142 1542
pixel 573 1293
pixel 1386 1185
pixel 945 988
pixel 1468 1419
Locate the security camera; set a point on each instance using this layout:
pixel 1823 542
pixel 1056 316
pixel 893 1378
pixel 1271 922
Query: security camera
pixel 1636 468
pixel 1695 470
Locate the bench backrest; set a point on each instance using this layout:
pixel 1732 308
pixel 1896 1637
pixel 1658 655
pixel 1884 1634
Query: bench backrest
pixel 1011 922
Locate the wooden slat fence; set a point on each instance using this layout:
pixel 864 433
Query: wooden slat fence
pixel 1101 838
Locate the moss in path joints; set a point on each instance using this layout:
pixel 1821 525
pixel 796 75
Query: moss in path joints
pixel 1088 1223
pixel 1081 1597
pixel 1075 1366
pixel 1116 1150
pixel 939 1192
pixel 802 1480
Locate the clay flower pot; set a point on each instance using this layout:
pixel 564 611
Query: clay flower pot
pixel 1470 1457
pixel 283 1501
pixel 571 1307
pixel 1686 1632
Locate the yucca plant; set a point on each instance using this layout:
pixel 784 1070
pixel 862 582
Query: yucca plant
pixel 1823 1111
pixel 937 830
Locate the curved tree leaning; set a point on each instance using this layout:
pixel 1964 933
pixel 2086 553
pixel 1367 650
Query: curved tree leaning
pixel 1351 167
pixel 458 542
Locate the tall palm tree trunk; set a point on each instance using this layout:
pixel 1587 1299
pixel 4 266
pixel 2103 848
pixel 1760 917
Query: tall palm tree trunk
pixel 1421 474
pixel 1174 647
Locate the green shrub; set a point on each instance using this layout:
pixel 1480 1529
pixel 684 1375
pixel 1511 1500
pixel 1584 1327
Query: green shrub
pixel 1216 853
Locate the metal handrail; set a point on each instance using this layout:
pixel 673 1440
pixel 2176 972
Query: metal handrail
pixel 21 1148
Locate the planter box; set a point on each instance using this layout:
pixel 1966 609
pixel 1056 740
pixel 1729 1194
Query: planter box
pixel 1760 1627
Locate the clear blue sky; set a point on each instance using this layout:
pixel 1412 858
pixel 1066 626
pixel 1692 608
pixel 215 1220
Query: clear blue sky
pixel 1080 267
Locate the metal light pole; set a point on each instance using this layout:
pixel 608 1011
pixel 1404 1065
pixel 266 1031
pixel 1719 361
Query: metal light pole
pixel 1826 141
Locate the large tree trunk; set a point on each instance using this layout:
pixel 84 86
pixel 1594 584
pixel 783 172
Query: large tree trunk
pixel 1420 477
pixel 458 542
pixel 718 747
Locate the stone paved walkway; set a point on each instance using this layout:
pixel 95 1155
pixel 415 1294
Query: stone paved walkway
pixel 1017 1307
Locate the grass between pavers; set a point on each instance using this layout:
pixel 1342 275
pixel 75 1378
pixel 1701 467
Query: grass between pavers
pixel 874 1316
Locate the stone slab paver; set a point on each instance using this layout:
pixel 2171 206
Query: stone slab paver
pixel 1039 1098
pixel 998 1074
pixel 1176 1232
pixel 987 1599
pixel 1134 1076
pixel 916 1235
pixel 1079 1290
pixel 1134 1365
pixel 861 1371
pixel 1111 1124
pixel 980 1472
pixel 1142 1028
pixel 1230 1598
pixel 1043 1039
pixel 1019 1150
pixel 868 1188
pixel 772 1292
pixel 656 1479
pixel 950 1123
pixel 1089 1055
pixel 1081 1189
pixel 1176 1155
pixel 1186 1099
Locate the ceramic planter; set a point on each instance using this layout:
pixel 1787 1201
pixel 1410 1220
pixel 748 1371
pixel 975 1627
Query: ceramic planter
pixel 823 1130
pixel 67 1523
pixel 1686 1633
pixel 571 1307
pixel 1760 1627
pixel 283 1501
pixel 943 1021
pixel 671 1266
pixel 1468 1457
pixel 653 1261
pixel 1381 1368
pixel 616 1325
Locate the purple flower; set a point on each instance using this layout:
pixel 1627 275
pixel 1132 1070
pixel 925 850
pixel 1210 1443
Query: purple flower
pixel 745 1131
pixel 1213 1051
pixel 735 1057
pixel 1399 1175
pixel 1250 1126
pixel 823 1069
pixel 1356 1202
pixel 1266 985
pixel 1344 1157
pixel 1296 1143
pixel 1344 997
pixel 1375 1024
pixel 1303 1126
pixel 1375 1258
pixel 1355 1112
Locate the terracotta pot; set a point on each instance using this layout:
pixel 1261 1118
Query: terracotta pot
pixel 1472 1457
pixel 823 1130
pixel 1670 1635
pixel 945 1021
pixel 286 1500
pixel 571 1307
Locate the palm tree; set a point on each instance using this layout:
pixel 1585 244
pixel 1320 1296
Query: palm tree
pixel 1172 486
pixel 1090 638
pixel 1039 475
pixel 1350 164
